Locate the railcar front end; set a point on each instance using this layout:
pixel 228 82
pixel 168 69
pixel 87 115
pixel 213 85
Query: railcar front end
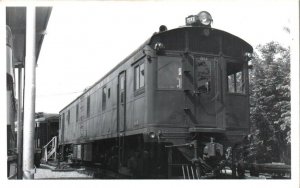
pixel 201 94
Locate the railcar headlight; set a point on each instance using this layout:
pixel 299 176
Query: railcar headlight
pixel 152 135
pixel 159 46
pixel 248 56
pixel 205 18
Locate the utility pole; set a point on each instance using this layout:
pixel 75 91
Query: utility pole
pixel 29 95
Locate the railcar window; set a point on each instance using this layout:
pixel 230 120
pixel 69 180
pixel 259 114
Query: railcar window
pixel 68 117
pixel 169 73
pixel 88 106
pixel 136 77
pixel 108 94
pixel 230 79
pixel 203 75
pixel 63 121
pixel 122 88
pixel 139 76
pixel 235 78
pixel 239 82
pixel 142 76
pixel 77 112
pixel 104 98
pixel 122 83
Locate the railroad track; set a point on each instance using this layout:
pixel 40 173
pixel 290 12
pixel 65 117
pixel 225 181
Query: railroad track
pixel 267 171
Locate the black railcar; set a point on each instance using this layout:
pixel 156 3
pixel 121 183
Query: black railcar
pixel 11 108
pixel 180 100
pixel 46 133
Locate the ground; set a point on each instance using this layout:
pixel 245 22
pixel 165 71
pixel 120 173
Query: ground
pixel 49 172
pixel 45 172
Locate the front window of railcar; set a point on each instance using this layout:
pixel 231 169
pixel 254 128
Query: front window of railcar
pixel 235 78
pixel 203 75
pixel 169 72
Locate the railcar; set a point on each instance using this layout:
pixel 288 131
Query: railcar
pixel 46 132
pixel 171 108
pixel 11 107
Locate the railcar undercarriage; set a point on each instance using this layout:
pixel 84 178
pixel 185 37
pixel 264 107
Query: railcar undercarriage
pixel 139 158
pixel 164 160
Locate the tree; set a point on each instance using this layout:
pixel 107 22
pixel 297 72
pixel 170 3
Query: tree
pixel 270 115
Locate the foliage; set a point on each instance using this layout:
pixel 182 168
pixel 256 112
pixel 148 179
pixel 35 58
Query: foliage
pixel 270 103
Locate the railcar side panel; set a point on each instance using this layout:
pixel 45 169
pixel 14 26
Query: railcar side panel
pixel 139 110
pixel 129 116
pixel 235 114
pixel 97 117
pixel 169 108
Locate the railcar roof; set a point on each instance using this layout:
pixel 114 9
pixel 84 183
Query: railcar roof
pixel 221 32
pixel 43 117
pixel 148 42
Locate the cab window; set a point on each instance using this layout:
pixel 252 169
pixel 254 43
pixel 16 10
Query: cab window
pixel 169 73
pixel 235 78
pixel 203 75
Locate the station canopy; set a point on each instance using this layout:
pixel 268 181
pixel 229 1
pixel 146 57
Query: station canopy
pixel 16 20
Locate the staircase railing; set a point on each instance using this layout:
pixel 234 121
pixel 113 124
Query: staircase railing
pixel 50 149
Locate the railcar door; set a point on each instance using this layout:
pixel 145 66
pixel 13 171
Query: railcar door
pixel 121 124
pixel 202 85
pixel 121 102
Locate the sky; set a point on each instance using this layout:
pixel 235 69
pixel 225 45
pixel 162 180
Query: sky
pixel 86 40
